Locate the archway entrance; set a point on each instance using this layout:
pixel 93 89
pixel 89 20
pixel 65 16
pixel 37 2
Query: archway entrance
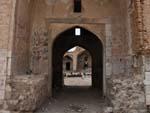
pixel 80 73
pixel 78 36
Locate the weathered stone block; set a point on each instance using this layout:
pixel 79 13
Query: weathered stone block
pixel 28 93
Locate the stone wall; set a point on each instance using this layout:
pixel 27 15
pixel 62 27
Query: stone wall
pixel 127 94
pixel 141 29
pixel 124 37
pixel 28 93
pixel 116 41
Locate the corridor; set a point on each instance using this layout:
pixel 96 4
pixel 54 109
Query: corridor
pixel 75 99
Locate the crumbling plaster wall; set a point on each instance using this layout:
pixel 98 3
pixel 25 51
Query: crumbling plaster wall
pixel 20 60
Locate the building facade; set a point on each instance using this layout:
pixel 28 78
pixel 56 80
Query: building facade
pixel 34 35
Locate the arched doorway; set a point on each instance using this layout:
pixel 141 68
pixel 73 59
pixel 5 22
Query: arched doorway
pixel 67 63
pixel 78 36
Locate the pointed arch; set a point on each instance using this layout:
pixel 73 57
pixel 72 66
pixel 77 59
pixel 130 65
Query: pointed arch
pixel 87 40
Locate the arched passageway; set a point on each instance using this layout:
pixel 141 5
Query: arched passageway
pixel 87 40
pixel 80 74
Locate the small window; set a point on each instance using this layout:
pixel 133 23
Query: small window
pixel 77 31
pixel 77 6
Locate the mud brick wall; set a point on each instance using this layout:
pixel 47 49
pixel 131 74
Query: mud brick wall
pixel 28 93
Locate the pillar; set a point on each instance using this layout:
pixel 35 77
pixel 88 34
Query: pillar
pixel 75 62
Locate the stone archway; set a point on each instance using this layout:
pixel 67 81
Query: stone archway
pixel 87 40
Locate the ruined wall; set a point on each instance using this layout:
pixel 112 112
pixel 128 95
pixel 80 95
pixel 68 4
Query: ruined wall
pixel 117 44
pixel 124 85
pixel 28 93
pixel 141 30
pixel 125 88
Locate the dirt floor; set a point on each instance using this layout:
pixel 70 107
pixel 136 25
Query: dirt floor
pixel 78 81
pixel 75 99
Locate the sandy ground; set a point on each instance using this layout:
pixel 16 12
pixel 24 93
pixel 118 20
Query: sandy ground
pixel 78 81
pixel 75 99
